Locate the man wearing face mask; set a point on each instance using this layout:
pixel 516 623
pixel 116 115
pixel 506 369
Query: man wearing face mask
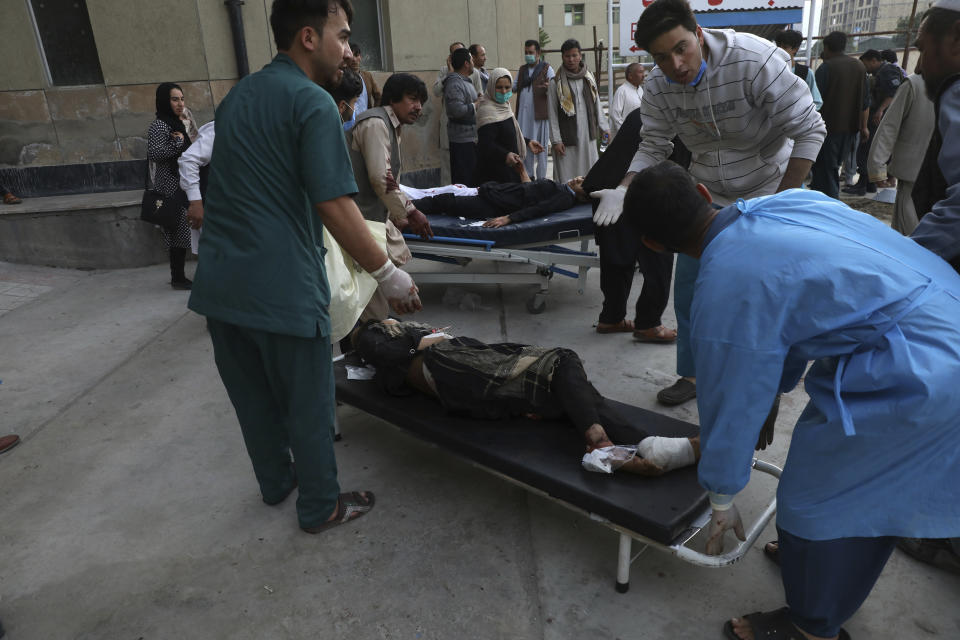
pixel 748 121
pixel 374 144
pixel 533 80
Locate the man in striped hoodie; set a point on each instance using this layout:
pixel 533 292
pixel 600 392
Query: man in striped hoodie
pixel 749 122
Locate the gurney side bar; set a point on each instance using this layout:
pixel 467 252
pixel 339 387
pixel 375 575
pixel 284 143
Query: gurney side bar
pixel 468 241
pixel 732 556
pixel 679 548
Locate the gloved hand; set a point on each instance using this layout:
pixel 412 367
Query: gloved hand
pixel 611 205
pixel 720 521
pixel 398 287
pixel 766 433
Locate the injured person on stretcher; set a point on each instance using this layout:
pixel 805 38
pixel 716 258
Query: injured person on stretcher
pixel 500 203
pixel 496 381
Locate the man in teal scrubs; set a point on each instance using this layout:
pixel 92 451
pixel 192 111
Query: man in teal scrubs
pixel 280 172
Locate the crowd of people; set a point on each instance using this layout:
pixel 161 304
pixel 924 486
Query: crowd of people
pixel 708 155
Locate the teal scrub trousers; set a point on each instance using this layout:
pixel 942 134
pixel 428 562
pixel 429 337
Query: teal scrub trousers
pixel 282 389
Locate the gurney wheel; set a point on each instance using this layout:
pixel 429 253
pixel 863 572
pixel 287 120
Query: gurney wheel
pixel 536 303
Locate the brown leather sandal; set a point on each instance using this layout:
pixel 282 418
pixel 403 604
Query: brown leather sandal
pixel 9 198
pixel 624 326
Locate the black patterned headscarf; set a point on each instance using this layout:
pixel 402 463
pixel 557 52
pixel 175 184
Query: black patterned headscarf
pixel 165 111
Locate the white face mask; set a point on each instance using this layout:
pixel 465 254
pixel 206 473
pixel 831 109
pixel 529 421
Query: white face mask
pixel 342 118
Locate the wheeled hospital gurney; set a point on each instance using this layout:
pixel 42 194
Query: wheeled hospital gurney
pixel 542 456
pixel 531 242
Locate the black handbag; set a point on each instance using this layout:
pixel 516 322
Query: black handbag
pixel 156 208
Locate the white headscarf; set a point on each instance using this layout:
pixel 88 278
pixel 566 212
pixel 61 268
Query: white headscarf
pixel 490 111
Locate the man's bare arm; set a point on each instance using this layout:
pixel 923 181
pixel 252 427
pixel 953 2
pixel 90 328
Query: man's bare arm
pixel 345 223
pixel 627 179
pixel 797 170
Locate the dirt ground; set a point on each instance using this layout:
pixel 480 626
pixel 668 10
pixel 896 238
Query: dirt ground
pixel 880 210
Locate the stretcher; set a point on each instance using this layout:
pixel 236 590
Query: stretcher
pixel 531 242
pixel 542 456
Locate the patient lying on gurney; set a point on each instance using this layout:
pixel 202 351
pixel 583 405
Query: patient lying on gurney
pixel 500 203
pixel 495 381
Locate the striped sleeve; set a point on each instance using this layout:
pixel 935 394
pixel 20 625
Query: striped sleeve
pixel 656 134
pixel 789 106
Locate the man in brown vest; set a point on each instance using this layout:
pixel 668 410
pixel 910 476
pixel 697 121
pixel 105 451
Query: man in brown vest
pixel 374 145
pixel 533 80
pixel 842 82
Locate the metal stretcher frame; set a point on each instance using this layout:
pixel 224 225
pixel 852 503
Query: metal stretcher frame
pixel 625 557
pixel 678 547
pixel 544 256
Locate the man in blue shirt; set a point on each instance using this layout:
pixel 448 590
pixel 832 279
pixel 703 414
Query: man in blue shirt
pixel 280 173
pixel 798 277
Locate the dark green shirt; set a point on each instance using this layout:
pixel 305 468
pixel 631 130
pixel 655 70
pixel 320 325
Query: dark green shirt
pixel 279 150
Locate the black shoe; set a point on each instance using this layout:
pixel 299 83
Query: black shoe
pixel 872 187
pixel 855 191
pixel 937 552
pixel 184 285
pixel 678 393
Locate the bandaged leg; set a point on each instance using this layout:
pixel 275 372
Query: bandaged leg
pixel 667 453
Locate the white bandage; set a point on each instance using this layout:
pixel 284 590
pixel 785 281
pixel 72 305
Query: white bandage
pixel 667 453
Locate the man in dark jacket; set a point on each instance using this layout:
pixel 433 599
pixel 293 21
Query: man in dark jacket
pixel 886 81
pixel 501 203
pixel 620 252
pixel 842 83
pixel 460 101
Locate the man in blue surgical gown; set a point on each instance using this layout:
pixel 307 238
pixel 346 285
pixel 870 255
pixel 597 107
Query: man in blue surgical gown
pixel 798 277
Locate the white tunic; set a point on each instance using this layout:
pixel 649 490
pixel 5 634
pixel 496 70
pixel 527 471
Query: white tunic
pixel 626 99
pixel 578 158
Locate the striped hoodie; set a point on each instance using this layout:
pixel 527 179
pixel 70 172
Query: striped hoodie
pixel 742 122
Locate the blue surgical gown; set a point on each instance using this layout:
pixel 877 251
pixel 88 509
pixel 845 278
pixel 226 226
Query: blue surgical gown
pixel 799 277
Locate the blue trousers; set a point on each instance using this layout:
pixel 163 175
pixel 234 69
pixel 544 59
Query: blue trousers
pixel 283 392
pixel 826 581
pixel 685 278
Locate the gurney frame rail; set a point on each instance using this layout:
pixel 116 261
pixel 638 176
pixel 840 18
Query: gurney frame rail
pixel 677 548
pixel 545 259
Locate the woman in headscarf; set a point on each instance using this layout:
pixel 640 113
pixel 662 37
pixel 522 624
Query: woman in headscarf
pixel 166 139
pixel 501 146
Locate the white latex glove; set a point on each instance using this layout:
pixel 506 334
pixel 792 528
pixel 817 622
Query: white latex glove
pixel 398 287
pixel 611 205
pixel 721 520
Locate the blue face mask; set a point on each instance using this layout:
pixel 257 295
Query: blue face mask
pixel 530 59
pixel 703 68
pixel 502 98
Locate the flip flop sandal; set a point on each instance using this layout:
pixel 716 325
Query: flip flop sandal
pixel 8 442
pixel 772 625
pixel 659 334
pixel 350 506
pixel 773 554
pixel 9 198
pixel 624 326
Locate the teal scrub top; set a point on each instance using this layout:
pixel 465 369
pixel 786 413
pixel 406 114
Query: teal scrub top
pixel 279 151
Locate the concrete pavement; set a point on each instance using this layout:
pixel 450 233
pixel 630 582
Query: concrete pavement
pixel 130 509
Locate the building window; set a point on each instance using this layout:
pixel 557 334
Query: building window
pixel 540 16
pixel 366 31
pixel 572 15
pixel 616 15
pixel 66 42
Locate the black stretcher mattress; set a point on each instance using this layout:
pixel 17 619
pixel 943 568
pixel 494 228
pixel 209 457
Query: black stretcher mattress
pixel 546 455
pixel 565 225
